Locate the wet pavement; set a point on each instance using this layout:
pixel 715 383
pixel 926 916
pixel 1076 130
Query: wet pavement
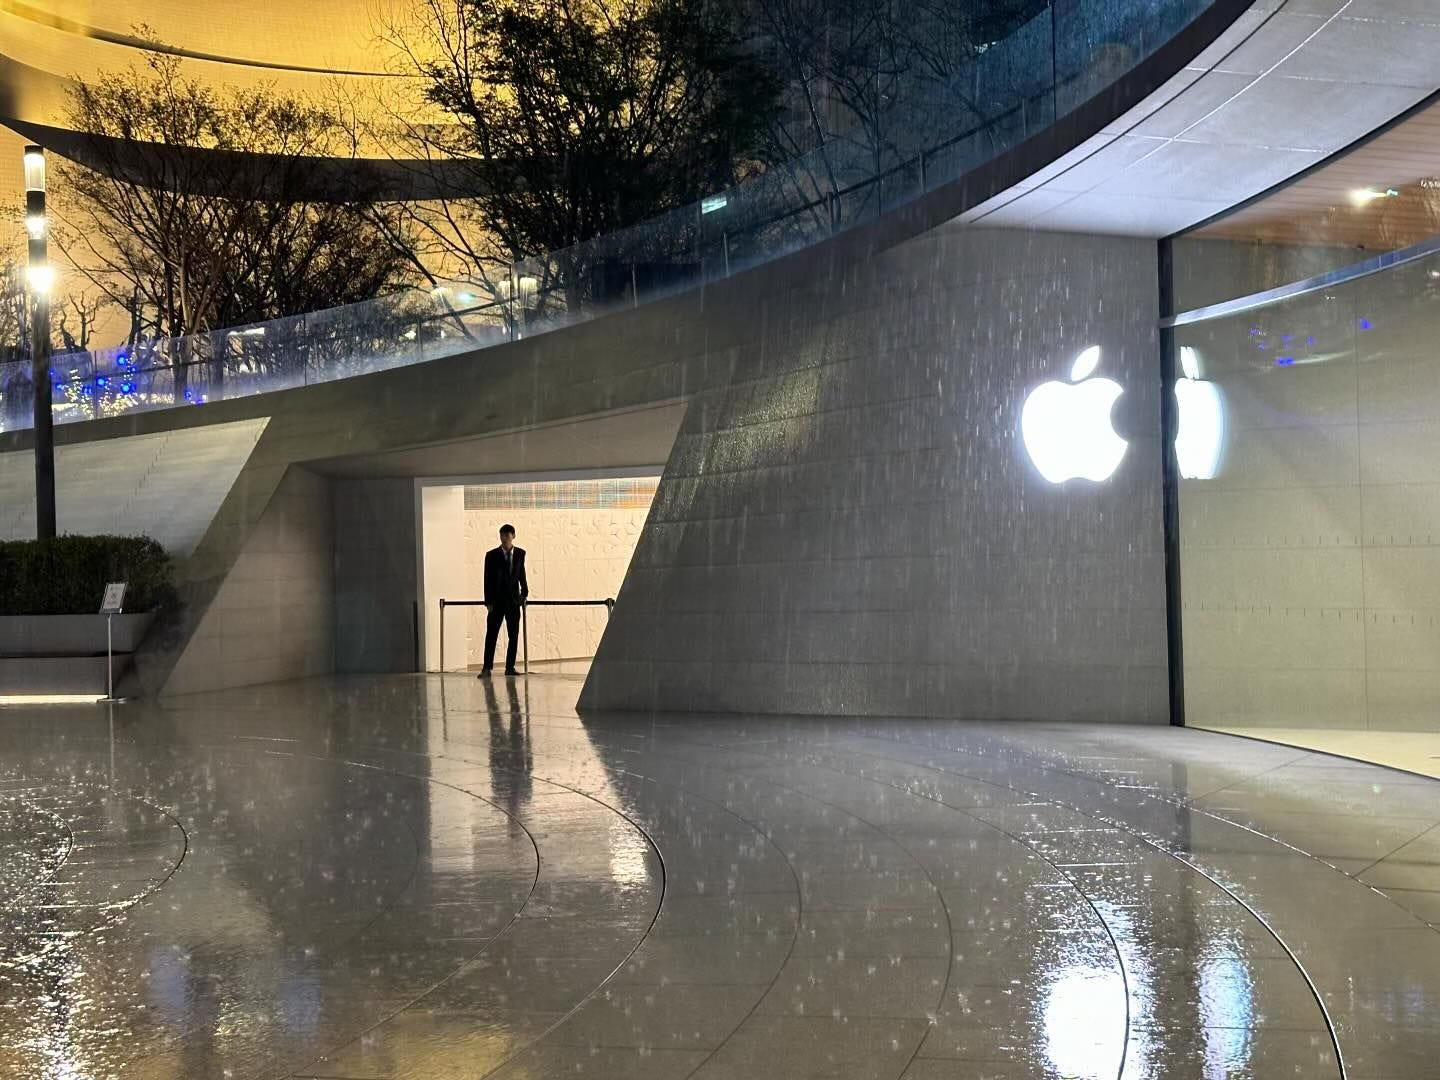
pixel 411 876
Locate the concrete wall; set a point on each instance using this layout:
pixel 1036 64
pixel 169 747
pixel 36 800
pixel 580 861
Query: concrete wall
pixel 167 484
pixel 1311 562
pixel 272 618
pixel 375 568
pixel 849 523
pixel 838 404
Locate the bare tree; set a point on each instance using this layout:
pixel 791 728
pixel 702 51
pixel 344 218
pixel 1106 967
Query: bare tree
pixel 74 319
pixel 574 119
pixel 14 321
pixel 197 208
pixel 74 313
pixel 873 84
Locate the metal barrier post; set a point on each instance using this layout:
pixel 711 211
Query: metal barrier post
pixel 608 602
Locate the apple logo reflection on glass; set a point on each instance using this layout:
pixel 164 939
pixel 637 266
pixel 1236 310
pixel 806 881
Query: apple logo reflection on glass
pixel 1066 426
pixel 1202 421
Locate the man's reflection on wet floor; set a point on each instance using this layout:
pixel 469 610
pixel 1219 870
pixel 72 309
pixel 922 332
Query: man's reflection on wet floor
pixel 511 758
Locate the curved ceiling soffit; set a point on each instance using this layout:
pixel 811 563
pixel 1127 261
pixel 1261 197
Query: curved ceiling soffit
pixel 53 21
pixel 948 202
pixel 325 179
pixel 318 179
pixel 220 172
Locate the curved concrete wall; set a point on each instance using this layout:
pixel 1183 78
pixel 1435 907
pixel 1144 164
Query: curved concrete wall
pixel 849 523
pixel 873 378
pixel 846 523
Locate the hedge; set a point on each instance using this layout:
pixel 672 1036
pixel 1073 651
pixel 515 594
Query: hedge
pixel 67 575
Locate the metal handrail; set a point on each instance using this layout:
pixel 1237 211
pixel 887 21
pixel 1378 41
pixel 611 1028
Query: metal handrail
pixel 608 602
pixel 823 191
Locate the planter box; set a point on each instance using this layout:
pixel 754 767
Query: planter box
pixel 69 635
pixel 58 674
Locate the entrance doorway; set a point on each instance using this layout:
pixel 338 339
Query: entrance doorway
pixel 579 532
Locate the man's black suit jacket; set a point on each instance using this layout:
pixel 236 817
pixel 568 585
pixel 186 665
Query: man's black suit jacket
pixel 505 586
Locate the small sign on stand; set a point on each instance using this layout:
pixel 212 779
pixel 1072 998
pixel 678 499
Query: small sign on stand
pixel 113 604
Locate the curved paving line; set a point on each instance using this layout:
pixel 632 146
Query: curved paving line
pixel 517 914
pixel 1181 802
pixel 388 905
pixel 69 836
pixel 116 910
pixel 799 898
pixel 799 912
pixel 1100 919
pixel 466 961
pixel 342 762
pixel 1304 974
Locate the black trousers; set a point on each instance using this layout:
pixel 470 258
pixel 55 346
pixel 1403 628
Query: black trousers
pixel 494 616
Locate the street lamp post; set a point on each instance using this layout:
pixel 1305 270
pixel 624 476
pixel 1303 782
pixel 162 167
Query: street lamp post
pixel 40 277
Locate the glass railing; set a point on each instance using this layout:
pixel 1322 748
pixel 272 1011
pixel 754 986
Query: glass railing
pixel 1065 54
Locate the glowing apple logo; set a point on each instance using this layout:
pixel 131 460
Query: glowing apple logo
pixel 1066 426
pixel 1202 421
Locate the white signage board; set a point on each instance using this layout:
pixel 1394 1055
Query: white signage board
pixel 114 602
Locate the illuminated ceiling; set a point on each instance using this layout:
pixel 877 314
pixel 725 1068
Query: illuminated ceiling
pixel 1382 196
pixel 1291 83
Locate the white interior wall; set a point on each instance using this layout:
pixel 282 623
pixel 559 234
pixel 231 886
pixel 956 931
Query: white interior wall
pixel 571 554
pixel 442 557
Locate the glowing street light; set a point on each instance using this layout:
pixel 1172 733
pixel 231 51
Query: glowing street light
pixel 41 277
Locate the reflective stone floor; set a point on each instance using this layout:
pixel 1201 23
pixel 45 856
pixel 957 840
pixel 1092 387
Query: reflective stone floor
pixel 429 877
pixel 1412 751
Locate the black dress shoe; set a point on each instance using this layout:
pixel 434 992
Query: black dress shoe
pixel 484 673
pixel 510 673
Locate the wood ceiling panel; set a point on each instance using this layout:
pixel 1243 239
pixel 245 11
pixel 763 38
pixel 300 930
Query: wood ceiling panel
pixel 1321 208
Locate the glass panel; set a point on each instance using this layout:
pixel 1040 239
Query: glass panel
pixel 1310 560
pixel 1382 196
pixel 981 82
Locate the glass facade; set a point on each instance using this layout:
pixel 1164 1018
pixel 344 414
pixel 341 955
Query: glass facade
pixel 1381 196
pixel 1308 534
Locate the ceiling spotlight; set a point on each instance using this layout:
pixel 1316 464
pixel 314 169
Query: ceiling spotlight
pixel 1365 196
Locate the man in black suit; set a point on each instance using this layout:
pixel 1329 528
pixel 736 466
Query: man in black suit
pixel 505 593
